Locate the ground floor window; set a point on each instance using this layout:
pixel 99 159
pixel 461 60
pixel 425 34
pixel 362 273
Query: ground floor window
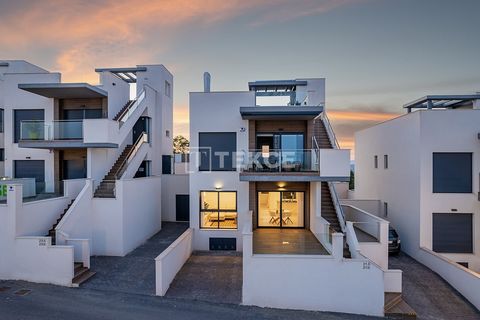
pixel 218 209
pixel 452 233
pixel 281 209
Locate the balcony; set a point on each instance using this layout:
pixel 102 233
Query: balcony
pixel 296 165
pixel 57 134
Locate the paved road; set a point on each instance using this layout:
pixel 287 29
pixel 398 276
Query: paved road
pixel 52 302
pixel 429 295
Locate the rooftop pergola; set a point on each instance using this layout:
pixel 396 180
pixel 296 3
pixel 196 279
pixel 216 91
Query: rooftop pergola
pixel 441 102
pixel 276 88
pixel 128 75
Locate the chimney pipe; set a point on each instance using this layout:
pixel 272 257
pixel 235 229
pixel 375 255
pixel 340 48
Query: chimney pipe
pixel 206 82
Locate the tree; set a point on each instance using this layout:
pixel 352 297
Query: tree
pixel 180 144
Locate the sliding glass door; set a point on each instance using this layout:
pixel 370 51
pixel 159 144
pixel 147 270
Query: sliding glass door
pixel 281 209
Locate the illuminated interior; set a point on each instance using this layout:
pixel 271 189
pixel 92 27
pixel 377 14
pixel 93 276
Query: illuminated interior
pixel 283 209
pixel 218 210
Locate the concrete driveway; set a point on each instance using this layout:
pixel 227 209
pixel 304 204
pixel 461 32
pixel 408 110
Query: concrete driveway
pixel 210 276
pixel 428 294
pixel 134 273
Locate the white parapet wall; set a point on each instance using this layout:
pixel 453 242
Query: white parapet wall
pixel 326 282
pixel 31 258
pixel 335 163
pixel 466 281
pixel 171 260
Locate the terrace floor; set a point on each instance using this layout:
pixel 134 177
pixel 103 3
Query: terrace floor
pixel 286 241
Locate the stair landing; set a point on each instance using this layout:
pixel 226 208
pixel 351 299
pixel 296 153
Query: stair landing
pixel 396 307
pixel 82 274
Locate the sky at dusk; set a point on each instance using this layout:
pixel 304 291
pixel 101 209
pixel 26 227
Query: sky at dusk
pixel 376 55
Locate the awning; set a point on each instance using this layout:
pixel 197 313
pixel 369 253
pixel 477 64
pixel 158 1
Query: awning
pixel 281 112
pixel 441 101
pixel 64 90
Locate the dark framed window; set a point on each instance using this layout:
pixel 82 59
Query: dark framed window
pixel 218 210
pixel 2 154
pixel 452 233
pixel 375 162
pixel 1 119
pixel 452 172
pixel 217 151
pixel 25 115
pixel 31 169
pixel 385 161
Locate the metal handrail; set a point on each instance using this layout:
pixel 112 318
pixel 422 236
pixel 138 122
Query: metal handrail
pixel 338 207
pixel 125 115
pixel 330 132
pixel 143 138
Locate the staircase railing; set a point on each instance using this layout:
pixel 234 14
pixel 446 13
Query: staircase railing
pixel 143 138
pixel 338 207
pixel 331 134
pixel 131 109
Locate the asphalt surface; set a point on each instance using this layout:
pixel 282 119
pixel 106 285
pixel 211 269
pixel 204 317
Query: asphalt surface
pixel 428 294
pixel 53 302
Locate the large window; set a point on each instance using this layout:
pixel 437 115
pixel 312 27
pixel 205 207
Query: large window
pixel 452 173
pixel 452 233
pixel 217 151
pixel 1 120
pixel 218 209
pixel 31 169
pixel 24 115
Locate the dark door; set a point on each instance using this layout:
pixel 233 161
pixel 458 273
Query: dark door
pixel 31 169
pixel 74 169
pixel 182 203
pixel 140 127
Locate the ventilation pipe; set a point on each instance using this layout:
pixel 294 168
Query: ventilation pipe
pixel 206 82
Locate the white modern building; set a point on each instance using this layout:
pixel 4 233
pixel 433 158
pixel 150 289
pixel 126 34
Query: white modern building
pixel 423 168
pixel 262 167
pixel 82 166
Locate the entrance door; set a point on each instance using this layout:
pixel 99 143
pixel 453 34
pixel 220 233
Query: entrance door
pixel 141 126
pixel 281 209
pixel 182 204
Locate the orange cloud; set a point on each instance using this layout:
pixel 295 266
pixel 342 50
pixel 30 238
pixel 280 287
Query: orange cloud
pixel 360 115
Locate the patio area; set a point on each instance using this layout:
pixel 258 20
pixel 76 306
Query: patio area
pixel 286 241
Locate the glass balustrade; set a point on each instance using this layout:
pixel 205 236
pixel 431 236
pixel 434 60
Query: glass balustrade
pixel 32 130
pixel 306 160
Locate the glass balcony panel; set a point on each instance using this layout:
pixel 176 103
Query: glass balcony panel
pixel 304 160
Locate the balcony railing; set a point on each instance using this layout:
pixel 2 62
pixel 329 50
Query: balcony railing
pixel 38 130
pixel 299 160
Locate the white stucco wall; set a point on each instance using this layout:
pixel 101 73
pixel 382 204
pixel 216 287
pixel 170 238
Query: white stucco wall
pixel 217 112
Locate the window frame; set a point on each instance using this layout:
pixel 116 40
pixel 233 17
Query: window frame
pixel 434 189
pixel 385 161
pixel 168 89
pixel 218 210
pixel 375 161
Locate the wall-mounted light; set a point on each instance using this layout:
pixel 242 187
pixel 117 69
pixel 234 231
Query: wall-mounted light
pixel 218 186
pixel 281 184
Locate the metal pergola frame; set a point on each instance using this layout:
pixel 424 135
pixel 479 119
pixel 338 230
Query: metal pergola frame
pixel 441 101
pixel 128 75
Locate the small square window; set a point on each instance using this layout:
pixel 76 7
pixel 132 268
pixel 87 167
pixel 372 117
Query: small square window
pixel 385 161
pixel 167 133
pixel 375 162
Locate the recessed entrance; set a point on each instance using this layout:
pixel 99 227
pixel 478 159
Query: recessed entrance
pixel 281 209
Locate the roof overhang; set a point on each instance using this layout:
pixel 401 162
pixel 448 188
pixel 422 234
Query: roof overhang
pixel 287 177
pixel 280 113
pixel 64 90
pixel 441 101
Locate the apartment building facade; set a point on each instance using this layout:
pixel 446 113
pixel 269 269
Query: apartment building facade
pixel 86 160
pixel 424 168
pixel 262 167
